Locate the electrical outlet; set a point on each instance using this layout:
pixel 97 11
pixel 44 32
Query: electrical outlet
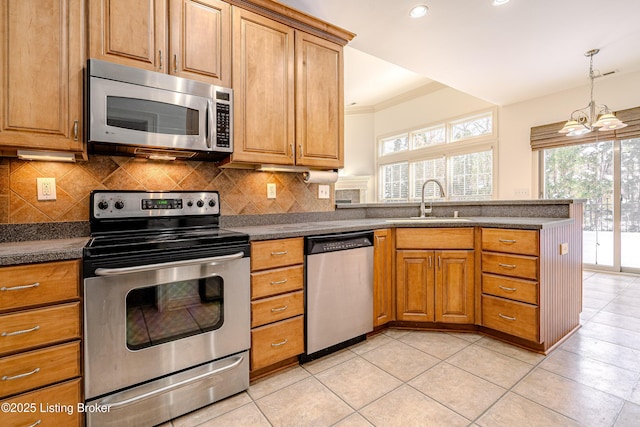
pixel 522 193
pixel 46 188
pixel 564 248
pixel 323 191
pixel 271 190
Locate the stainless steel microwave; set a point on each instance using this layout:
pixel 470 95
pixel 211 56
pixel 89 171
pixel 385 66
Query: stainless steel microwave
pixel 139 112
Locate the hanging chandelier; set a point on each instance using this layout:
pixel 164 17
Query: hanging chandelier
pixel 585 119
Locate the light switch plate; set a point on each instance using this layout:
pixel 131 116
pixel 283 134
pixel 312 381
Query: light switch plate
pixel 46 188
pixel 271 190
pixel 323 191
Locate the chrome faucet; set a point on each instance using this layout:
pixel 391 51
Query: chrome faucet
pixel 423 210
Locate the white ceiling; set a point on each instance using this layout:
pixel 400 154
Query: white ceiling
pixel 507 54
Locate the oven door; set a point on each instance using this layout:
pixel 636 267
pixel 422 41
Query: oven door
pixel 145 322
pixel 132 114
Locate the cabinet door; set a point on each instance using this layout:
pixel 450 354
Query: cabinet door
pixel 263 83
pixel 415 286
pixel 41 63
pixel 454 288
pixel 129 32
pixel 200 40
pixel 382 277
pixel 319 102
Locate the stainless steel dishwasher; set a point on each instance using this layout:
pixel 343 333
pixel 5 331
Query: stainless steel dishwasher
pixel 339 291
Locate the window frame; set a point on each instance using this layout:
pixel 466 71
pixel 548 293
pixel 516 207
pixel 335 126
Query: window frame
pixel 446 150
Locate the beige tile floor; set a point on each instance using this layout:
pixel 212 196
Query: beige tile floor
pixel 403 378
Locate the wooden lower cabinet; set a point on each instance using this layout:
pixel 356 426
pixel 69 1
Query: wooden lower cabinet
pixel 277 302
pixel 275 342
pixel 435 286
pixel 52 406
pixel 383 289
pixel 40 344
pixel 511 317
pixel 39 368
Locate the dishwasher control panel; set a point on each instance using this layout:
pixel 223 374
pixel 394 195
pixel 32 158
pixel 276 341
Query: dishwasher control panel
pixel 338 242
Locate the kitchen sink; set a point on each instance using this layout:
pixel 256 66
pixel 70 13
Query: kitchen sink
pixel 429 219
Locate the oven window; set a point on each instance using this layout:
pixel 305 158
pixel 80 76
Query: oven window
pixel 171 311
pixel 151 116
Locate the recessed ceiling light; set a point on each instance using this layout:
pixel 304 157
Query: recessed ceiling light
pixel 418 11
pixel 500 2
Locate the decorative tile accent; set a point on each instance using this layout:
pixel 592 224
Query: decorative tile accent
pixel 242 192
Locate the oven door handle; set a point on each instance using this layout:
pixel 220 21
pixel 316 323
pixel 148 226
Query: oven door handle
pixel 151 267
pixel 153 393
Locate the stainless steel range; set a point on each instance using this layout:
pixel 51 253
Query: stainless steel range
pixel 167 306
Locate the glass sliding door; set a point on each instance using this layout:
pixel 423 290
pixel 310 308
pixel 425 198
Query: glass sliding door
pixel 586 172
pixel 630 204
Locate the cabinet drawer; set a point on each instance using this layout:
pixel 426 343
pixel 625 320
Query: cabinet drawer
pixel 522 266
pixel 276 342
pixel 33 369
pixel 36 284
pixel 33 328
pixel 515 289
pixel 511 317
pixel 524 242
pixel 67 395
pixel 278 281
pixel 269 310
pixel 276 253
pixel 434 238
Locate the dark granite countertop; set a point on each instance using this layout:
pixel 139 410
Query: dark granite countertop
pixel 33 251
pixel 41 250
pixel 279 231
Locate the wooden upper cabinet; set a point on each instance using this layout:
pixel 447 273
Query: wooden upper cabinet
pixel 263 84
pixel 41 63
pixel 189 39
pixel 288 92
pixel 200 40
pixel 319 102
pixel 129 32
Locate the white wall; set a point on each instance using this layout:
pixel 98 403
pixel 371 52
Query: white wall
pixel 517 164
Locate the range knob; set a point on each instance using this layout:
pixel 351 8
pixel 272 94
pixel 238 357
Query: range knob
pixel 103 204
pixel 190 203
pixel 200 203
pixel 119 204
pixel 212 202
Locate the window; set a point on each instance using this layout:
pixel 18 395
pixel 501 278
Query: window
pixel 459 153
pixel 604 169
pixel 472 127
pixel 394 144
pixel 395 185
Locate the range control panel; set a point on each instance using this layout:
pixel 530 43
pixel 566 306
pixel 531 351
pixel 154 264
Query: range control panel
pixel 107 204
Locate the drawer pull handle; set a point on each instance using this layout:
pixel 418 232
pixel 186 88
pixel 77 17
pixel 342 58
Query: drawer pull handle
pixel 504 288
pixel 507 241
pixel 279 344
pixel 279 309
pixel 15 377
pixel 279 253
pixel 37 423
pixel 279 282
pixel 24 331
pixel 509 266
pixel 17 288
pixel 512 319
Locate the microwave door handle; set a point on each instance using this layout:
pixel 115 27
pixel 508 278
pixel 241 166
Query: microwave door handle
pixel 209 123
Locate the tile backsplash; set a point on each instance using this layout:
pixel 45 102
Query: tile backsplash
pixel 242 192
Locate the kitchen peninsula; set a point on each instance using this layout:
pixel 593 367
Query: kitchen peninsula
pixel 526 256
